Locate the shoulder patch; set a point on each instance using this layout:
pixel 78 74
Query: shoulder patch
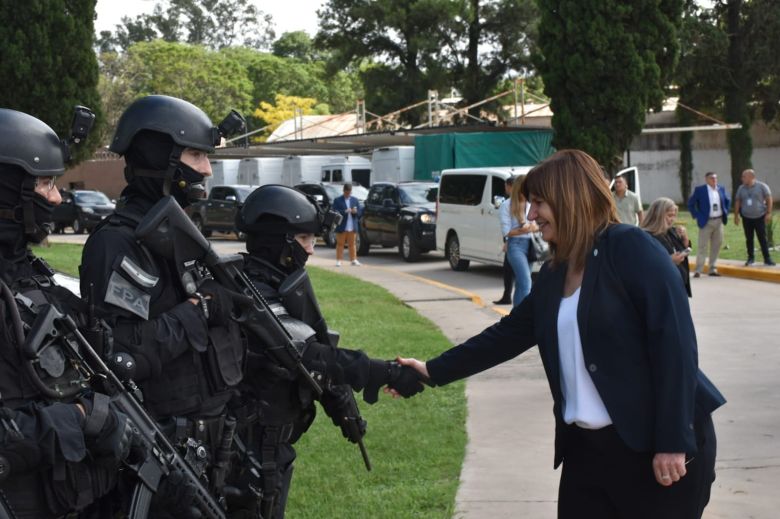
pixel 127 296
pixel 138 274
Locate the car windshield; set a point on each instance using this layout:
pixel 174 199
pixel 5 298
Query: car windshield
pixel 91 197
pixel 336 190
pixel 415 193
pixel 243 193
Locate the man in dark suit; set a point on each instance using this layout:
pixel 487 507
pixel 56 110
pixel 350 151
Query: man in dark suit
pixel 709 205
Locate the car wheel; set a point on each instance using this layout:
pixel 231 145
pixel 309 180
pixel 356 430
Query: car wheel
pixel 362 244
pixel 407 248
pixel 198 221
pixel 453 254
pixel 78 227
pixel 330 238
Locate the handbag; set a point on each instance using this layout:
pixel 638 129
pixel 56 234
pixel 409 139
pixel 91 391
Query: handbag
pixel 538 249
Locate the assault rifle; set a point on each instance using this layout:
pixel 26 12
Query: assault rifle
pixel 158 457
pixel 167 231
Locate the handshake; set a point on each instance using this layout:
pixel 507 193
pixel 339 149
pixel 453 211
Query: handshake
pixel 399 379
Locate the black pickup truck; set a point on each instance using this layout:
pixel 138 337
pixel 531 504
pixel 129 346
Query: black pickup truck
pixel 400 214
pixel 82 210
pixel 218 211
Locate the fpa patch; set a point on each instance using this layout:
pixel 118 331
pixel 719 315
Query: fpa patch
pixel 127 296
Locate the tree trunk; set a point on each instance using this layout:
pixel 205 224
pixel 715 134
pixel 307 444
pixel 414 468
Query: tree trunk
pixel 736 97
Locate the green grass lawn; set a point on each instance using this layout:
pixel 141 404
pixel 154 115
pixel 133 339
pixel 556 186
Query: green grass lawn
pixel 416 445
pixel 733 236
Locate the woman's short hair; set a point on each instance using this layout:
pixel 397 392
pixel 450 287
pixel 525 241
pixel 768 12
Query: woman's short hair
pixel 653 220
pixel 574 186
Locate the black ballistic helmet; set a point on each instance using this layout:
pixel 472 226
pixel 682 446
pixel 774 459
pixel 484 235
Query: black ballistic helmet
pixel 279 210
pixel 31 144
pixel 185 123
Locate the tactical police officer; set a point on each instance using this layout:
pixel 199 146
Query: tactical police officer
pixel 188 352
pixel 60 444
pixel 280 224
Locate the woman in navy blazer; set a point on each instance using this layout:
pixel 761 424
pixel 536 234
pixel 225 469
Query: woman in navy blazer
pixel 614 330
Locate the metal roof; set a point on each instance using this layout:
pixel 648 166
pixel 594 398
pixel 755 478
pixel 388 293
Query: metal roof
pixel 357 144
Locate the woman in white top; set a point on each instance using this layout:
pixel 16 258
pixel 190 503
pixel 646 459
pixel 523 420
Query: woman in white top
pixel 618 345
pixel 516 231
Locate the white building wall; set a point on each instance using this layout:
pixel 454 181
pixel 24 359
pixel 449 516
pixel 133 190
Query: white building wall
pixel 659 170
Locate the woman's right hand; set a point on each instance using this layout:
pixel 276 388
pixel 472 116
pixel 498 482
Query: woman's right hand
pixel 415 364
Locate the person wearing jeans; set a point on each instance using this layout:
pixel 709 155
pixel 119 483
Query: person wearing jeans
pixel 709 205
pixel 349 209
pixel 518 240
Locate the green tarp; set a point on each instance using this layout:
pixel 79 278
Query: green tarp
pixel 434 153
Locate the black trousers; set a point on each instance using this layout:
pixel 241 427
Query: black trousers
pixel 757 225
pixel 602 478
pixel 509 279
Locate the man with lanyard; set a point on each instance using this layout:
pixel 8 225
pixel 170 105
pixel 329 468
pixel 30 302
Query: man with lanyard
pixel 753 202
pixel 709 205
pixel 349 209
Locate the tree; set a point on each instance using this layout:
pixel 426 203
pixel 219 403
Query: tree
pixel 283 109
pixel 405 48
pixel 403 39
pixel 48 65
pixel 214 23
pixel 211 80
pixel 605 64
pixel 296 45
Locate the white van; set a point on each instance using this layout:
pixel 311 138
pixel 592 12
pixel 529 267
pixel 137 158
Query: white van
pixel 393 164
pixel 467 223
pixel 258 171
pixel 348 169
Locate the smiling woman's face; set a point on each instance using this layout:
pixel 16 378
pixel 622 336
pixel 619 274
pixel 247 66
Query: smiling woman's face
pixel 542 214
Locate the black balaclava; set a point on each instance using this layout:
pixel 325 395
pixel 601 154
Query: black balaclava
pixel 13 239
pixel 281 250
pixel 151 151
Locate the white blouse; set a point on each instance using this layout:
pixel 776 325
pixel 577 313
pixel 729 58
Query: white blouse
pixel 582 403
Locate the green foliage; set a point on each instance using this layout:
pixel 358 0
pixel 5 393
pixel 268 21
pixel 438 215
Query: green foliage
pixel 296 45
pixel 48 65
pixel 213 81
pixel 404 48
pixel 214 23
pixel 604 64
pixel 283 109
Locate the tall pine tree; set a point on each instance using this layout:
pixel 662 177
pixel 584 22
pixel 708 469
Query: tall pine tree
pixel 604 64
pixel 47 62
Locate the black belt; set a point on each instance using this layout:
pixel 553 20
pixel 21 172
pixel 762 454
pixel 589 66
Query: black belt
pixel 206 430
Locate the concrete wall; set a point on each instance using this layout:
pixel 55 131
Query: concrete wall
pixel 659 170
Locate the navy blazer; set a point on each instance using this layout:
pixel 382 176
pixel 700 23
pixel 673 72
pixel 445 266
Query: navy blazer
pixel 340 206
pixel 638 342
pixel 699 204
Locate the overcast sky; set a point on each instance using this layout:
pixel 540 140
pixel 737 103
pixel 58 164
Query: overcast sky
pixel 288 15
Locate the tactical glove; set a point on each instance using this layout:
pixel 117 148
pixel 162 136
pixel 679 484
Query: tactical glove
pixel 405 380
pixel 109 433
pixel 339 404
pixel 177 495
pixel 221 302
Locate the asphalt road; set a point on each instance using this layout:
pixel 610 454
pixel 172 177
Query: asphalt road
pixel 508 472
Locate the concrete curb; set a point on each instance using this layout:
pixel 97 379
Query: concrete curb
pixel 768 274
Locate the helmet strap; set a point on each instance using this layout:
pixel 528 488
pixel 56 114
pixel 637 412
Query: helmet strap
pixel 174 159
pixel 28 215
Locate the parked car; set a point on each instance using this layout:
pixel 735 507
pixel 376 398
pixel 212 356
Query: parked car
pixel 81 210
pixel 218 211
pixel 400 214
pixel 325 193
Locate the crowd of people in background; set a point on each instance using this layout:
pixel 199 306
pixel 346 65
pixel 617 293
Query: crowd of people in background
pixel 709 205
